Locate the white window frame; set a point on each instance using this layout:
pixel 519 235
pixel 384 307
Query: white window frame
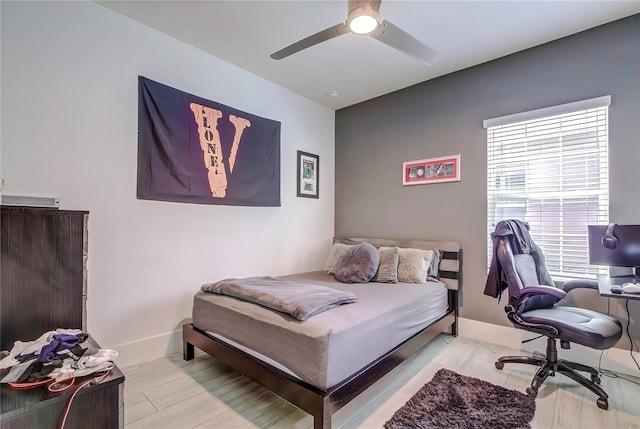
pixel 522 148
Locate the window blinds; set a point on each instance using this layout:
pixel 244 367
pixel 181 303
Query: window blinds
pixel 549 167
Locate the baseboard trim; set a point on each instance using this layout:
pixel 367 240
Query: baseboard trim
pixel 614 359
pixel 138 352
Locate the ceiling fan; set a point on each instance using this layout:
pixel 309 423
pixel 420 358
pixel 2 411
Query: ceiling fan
pixel 363 18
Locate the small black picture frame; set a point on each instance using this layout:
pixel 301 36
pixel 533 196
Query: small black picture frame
pixel 308 175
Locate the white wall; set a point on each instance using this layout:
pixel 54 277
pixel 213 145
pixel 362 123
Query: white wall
pixel 69 129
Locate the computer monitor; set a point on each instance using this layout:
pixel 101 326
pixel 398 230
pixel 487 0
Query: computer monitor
pixel 615 245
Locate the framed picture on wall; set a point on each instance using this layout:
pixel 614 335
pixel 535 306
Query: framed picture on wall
pixel 431 170
pixel 308 175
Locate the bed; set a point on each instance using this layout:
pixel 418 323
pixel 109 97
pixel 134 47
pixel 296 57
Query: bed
pixel 322 363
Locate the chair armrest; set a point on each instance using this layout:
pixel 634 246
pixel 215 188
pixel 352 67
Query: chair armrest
pixel 543 290
pixel 579 284
pixel 514 309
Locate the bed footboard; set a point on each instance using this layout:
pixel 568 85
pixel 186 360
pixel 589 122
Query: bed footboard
pixel 309 398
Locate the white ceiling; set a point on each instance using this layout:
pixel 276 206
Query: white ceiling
pixel 359 68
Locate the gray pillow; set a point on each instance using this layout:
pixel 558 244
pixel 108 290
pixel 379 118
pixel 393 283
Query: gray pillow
pixel 434 269
pixel 388 267
pixel 358 264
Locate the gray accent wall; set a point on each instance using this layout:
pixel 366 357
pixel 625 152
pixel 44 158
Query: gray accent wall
pixel 444 116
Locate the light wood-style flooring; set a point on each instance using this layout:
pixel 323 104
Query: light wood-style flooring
pixel 203 393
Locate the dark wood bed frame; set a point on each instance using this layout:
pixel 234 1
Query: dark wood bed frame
pixel 321 404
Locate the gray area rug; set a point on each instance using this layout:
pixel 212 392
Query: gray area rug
pixel 451 400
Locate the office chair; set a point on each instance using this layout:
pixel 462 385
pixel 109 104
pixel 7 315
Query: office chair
pixel 518 266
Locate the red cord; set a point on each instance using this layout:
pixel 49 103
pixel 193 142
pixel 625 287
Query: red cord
pixel 61 386
pixel 96 380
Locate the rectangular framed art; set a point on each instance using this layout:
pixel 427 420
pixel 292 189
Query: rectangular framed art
pixel 431 170
pixel 308 175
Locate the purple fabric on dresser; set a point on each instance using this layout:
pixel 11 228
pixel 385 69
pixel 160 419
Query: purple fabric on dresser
pixel 333 345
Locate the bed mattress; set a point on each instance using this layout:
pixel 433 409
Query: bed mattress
pixel 333 345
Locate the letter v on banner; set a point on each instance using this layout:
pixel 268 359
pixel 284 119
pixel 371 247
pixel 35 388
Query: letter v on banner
pixel 240 124
pixel 195 150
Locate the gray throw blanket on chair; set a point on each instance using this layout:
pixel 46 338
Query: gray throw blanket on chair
pixel 299 300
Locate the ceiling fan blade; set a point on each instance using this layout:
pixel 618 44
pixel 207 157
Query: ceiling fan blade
pixel 397 38
pixel 314 39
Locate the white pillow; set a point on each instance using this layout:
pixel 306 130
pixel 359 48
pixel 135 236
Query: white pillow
pixel 413 265
pixel 334 254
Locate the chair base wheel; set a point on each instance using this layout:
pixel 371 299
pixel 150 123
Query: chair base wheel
pixel 551 366
pixel 603 403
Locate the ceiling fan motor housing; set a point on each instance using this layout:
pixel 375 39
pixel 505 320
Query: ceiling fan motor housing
pixel 362 18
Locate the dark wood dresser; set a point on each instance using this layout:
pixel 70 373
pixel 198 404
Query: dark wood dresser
pixel 43 286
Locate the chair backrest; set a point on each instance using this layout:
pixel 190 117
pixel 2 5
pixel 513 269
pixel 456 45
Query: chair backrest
pixel 521 262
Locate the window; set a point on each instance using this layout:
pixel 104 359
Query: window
pixel 549 167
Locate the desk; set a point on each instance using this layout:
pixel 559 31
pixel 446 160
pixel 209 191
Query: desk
pixel 604 286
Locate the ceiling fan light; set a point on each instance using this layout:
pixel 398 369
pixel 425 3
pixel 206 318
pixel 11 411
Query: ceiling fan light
pixel 363 21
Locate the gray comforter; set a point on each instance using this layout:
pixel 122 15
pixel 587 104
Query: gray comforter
pixel 297 299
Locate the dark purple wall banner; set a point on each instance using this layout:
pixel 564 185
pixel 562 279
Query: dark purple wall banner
pixel 193 150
